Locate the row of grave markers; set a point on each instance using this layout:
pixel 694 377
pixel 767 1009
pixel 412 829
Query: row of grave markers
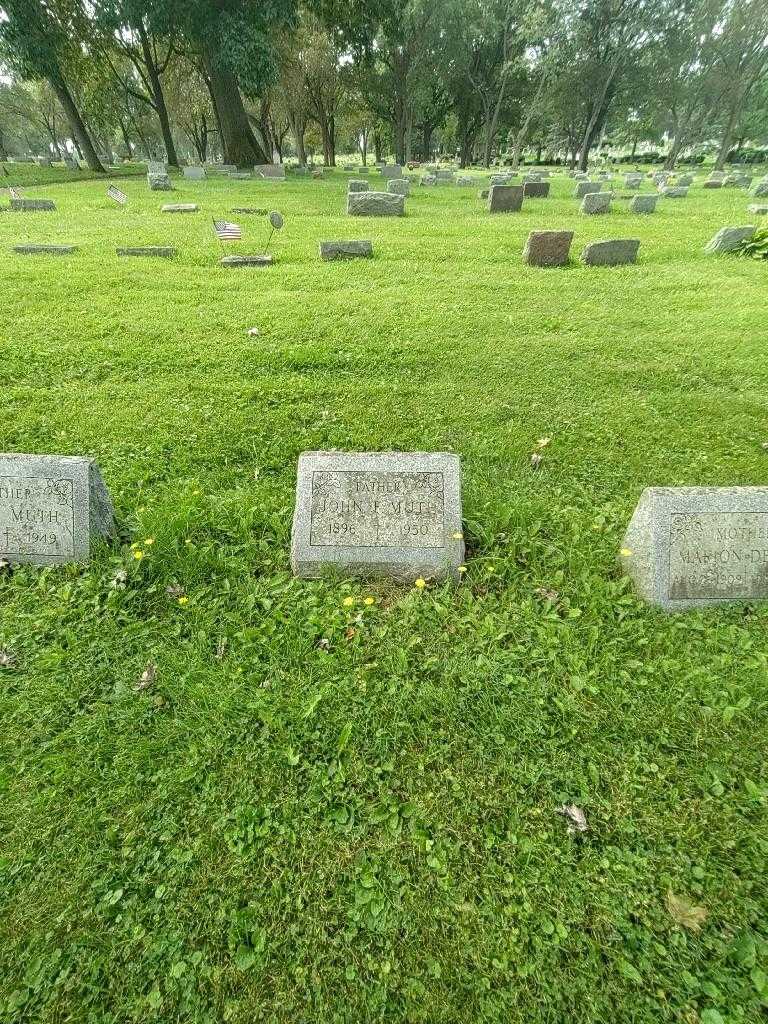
pixel 398 515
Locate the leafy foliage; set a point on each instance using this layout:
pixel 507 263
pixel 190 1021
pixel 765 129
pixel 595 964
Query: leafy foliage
pixel 757 246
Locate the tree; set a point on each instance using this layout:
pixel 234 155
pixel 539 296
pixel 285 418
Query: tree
pixel 235 41
pixel 127 29
pixel 39 41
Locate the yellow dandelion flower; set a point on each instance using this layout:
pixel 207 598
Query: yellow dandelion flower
pixel 491 568
pixel 420 583
pixel 183 600
pixel 462 568
pixel 138 554
pixel 369 601
pixel 348 602
pixel 626 552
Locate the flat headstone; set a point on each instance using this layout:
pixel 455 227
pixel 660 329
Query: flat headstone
pixel 391 171
pixel 357 185
pixel 547 248
pixel 674 192
pixel 689 547
pixel 643 204
pixel 713 183
pixel 729 239
pixel 53 250
pixel 760 189
pixel 464 180
pixel 399 186
pixel 375 204
pixel 269 171
pixel 259 260
pixel 536 189
pixel 194 173
pixel 613 252
pixel 595 203
pixel 159 183
pixel 761 209
pixel 345 250
pixel 584 187
pixel 258 210
pixel 179 208
pixel 52 508
pixel 164 251
pixel 505 198
pixel 31 205
pixel 395 514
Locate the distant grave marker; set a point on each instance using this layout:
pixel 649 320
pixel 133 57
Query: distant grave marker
pixel 505 198
pixel 613 252
pixel 345 250
pixel 375 204
pixel 547 248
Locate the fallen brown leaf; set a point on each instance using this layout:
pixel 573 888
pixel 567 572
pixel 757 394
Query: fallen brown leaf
pixel 147 677
pixel 684 913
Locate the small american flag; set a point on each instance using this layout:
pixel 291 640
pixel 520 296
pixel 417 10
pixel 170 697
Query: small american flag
pixel 15 193
pixel 226 231
pixel 114 193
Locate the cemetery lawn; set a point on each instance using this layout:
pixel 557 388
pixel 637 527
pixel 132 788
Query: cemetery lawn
pixel 336 801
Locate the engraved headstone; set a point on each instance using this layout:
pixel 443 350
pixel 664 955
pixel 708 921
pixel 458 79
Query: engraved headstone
pixel 399 186
pixel 159 183
pixel 536 189
pixel 595 203
pixel 584 187
pixel 193 173
pixel 51 508
pixel 258 260
pixel 613 252
pixel 30 205
pixel 165 251
pixel 392 514
pixel 391 171
pixel 505 198
pixel 547 248
pixel 179 208
pixel 358 185
pixel 269 171
pixel 53 250
pixel 729 239
pixel 375 204
pixel 643 204
pixel 345 250
pixel 688 547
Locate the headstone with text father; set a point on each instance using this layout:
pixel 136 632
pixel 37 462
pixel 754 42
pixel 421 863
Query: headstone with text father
pixel 689 547
pixel 395 514
pixel 52 508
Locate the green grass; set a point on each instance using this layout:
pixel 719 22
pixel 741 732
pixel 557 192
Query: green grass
pixel 27 174
pixel 276 831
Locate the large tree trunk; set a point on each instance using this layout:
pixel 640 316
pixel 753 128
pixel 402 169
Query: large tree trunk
pixel 298 128
pixel 76 124
pixel 3 150
pixel 597 116
pixel 126 138
pixel 377 146
pixel 238 142
pixel 158 99
pixel 727 139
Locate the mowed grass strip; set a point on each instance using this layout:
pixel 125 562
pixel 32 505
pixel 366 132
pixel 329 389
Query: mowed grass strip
pixel 323 809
